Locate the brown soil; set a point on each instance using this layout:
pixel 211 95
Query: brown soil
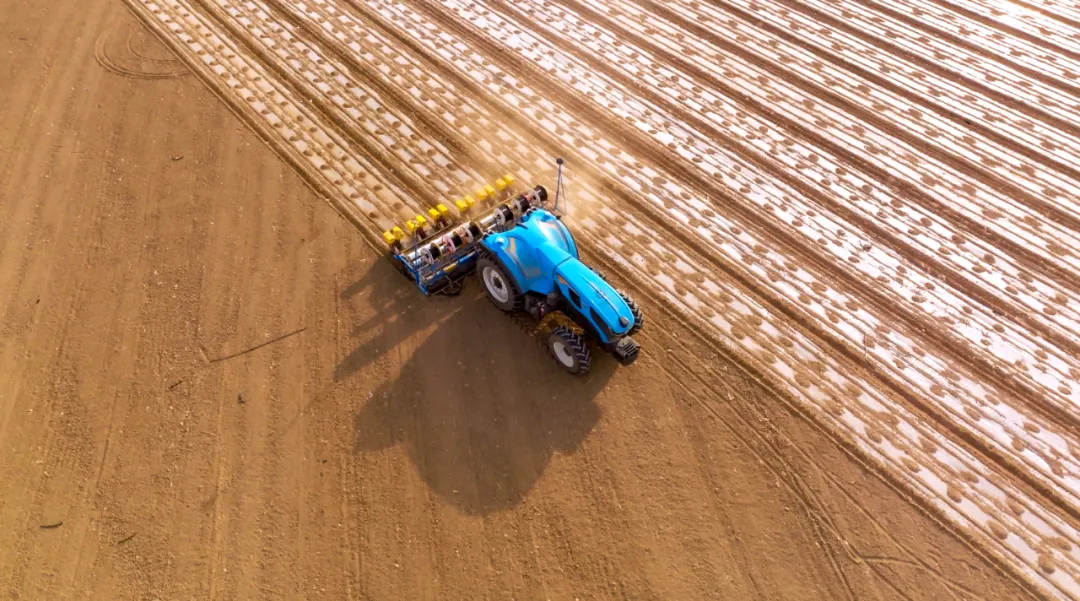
pixel 210 387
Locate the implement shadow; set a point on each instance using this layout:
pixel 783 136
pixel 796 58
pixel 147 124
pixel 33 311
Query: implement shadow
pixel 479 405
pixel 400 311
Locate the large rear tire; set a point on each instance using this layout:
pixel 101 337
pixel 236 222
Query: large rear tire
pixel 499 286
pixel 639 318
pixel 569 350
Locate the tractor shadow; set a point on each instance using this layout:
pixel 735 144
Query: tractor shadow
pixel 479 405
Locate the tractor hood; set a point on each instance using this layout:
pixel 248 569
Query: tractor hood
pixel 599 299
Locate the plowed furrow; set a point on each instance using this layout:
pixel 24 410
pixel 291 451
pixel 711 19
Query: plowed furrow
pixel 448 111
pixel 375 111
pixel 758 132
pixel 248 19
pixel 1050 12
pixel 297 132
pixel 956 118
pixel 326 99
pixel 1034 35
pixel 995 38
pixel 465 157
pixel 802 165
pixel 1037 83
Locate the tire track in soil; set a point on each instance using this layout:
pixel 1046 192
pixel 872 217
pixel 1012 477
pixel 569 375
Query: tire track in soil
pixel 101 54
pixel 690 175
pixel 764 440
pixel 756 371
pixel 925 261
pixel 120 361
pixel 12 174
pixel 352 564
pixel 218 521
pixel 815 519
pixel 15 176
pixel 62 446
pixel 129 44
pixel 907 190
pixel 65 450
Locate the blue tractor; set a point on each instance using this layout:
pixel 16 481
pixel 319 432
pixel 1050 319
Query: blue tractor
pixel 527 261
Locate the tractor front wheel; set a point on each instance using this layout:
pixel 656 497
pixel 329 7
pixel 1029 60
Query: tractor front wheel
pixel 639 318
pixel 500 289
pixel 569 350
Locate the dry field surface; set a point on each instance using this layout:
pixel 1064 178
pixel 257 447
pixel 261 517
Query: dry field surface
pixel 852 223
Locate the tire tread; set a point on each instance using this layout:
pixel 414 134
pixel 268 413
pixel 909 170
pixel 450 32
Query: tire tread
pixel 576 345
pixel 639 317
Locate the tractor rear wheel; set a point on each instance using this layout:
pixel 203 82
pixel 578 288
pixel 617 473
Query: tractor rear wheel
pixel 569 350
pixel 639 318
pixel 499 287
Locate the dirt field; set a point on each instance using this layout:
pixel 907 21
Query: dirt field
pixel 211 387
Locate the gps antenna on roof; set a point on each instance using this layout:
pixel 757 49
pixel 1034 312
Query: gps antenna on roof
pixel 558 182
